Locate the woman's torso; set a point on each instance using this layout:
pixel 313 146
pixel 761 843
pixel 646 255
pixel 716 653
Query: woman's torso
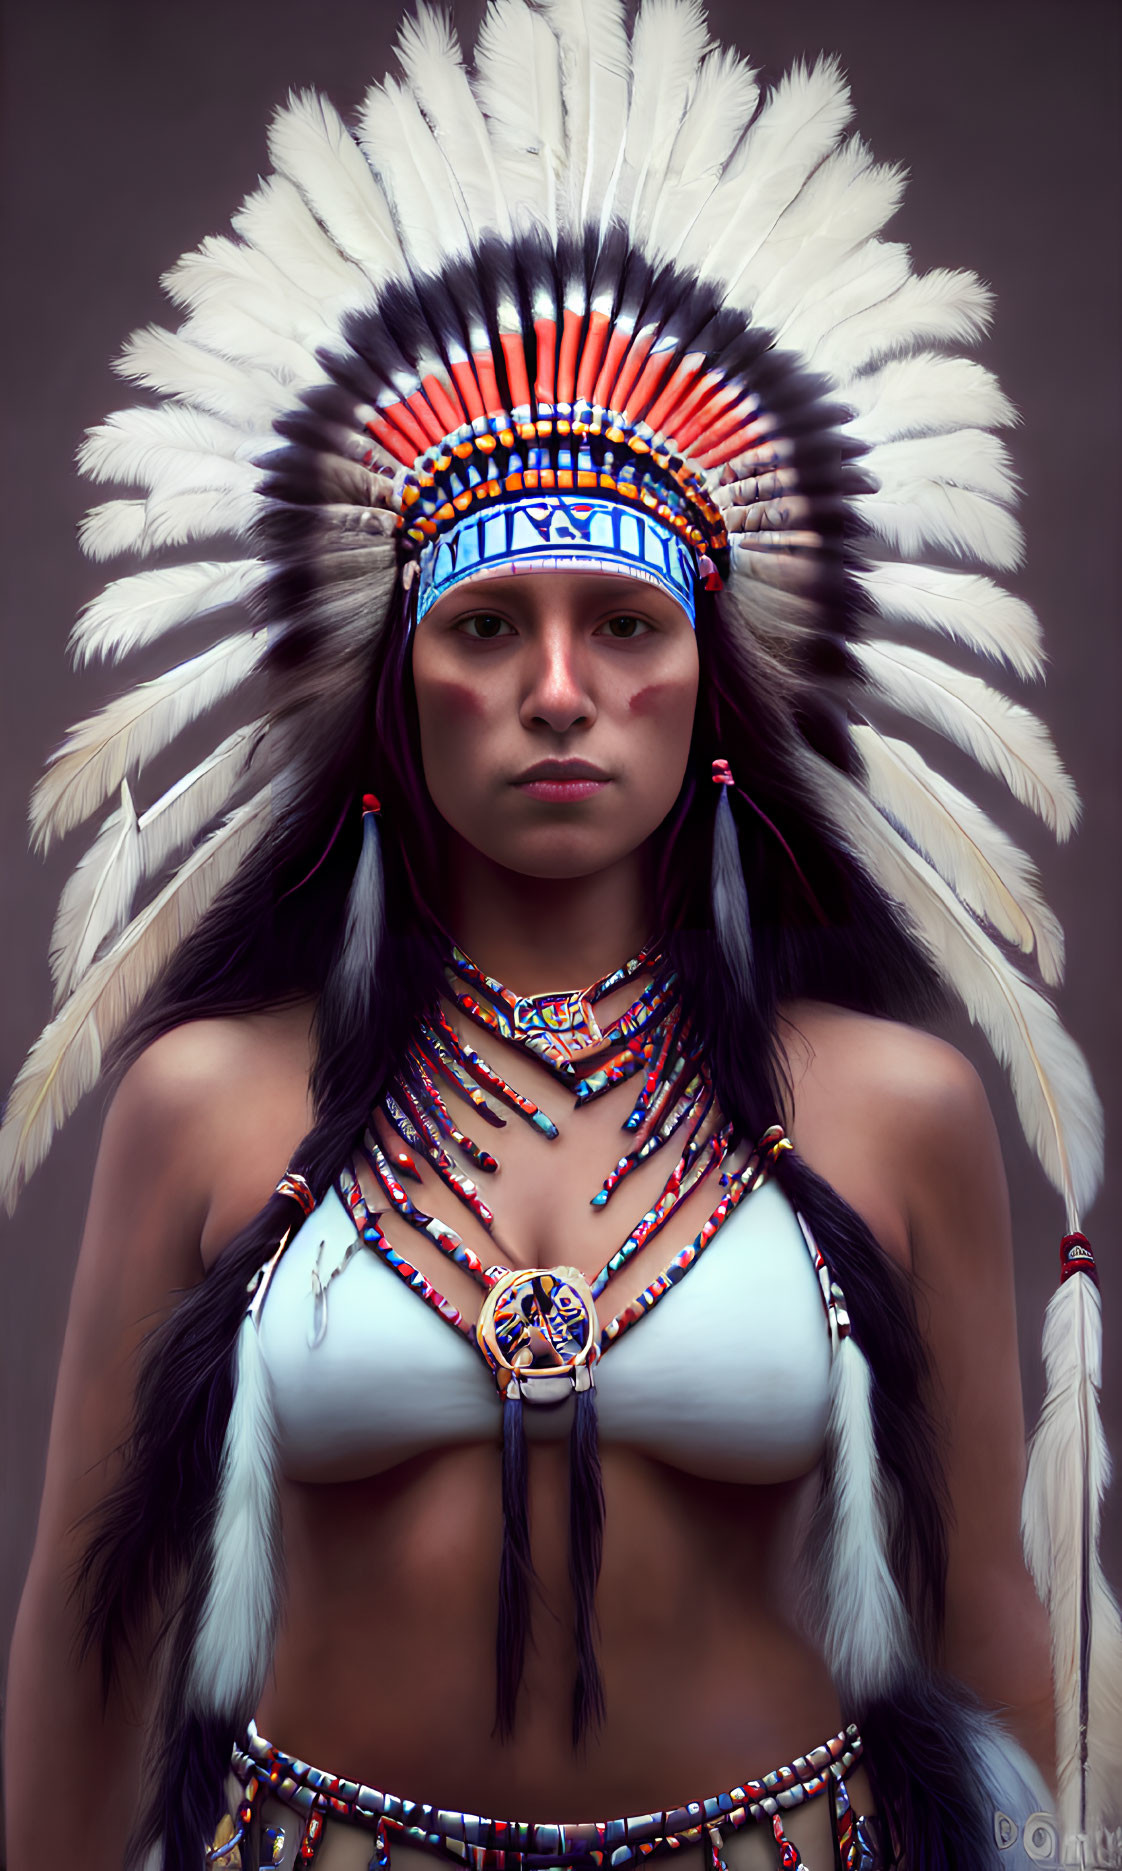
pixel 712 1419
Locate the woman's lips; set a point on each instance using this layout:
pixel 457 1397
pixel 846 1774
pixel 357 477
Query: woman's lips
pixel 562 781
pixel 561 791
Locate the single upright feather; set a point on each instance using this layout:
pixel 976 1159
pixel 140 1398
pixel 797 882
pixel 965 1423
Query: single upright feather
pixel 721 102
pixel 595 69
pixel 845 203
pixel 122 737
pixel 401 148
pixel 311 145
pixel 518 84
pixel 668 42
pixel 797 126
pixel 430 53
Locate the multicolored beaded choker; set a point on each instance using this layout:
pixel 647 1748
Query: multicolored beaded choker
pixel 538 1329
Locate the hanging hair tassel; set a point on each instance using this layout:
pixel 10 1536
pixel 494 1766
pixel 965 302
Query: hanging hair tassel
pixel 731 918
pixel 234 1643
pixel 355 967
pixel 586 1543
pixel 865 1626
pixel 516 1568
pixel 1068 1472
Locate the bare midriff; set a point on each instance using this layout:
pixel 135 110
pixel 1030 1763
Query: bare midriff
pixel 385 1663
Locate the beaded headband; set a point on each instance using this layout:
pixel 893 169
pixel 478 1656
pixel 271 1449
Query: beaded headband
pixel 557 532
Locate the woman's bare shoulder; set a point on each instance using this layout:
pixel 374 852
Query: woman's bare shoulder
pixel 890 1114
pixel 212 1111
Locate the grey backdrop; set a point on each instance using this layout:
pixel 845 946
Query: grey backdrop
pixel 132 129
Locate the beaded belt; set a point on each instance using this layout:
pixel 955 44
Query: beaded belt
pixel 516 1845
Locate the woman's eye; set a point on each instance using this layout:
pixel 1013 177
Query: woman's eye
pixel 483 626
pixel 625 626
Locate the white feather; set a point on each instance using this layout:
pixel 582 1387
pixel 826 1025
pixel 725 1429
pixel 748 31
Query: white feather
pixel 135 611
pixel 865 1636
pixel 238 393
pixel 234 1643
pixel 122 737
pixel 595 68
pixel 721 102
pixel 430 54
pixel 179 814
pixel 845 203
pixel 400 146
pixel 969 458
pixel 1052 1087
pixel 241 329
pixel 311 145
pixel 277 221
pixel 113 528
pixel 983 867
pixel 940 307
pixel 144 526
pixel 668 42
pixel 222 279
pixel 922 513
pixel 66 1059
pixel 926 395
pixel 795 129
pixel 963 605
pixel 518 84
pixel 242 307
pixel 1000 735
pixel 868 276
pixel 98 898
pixel 1069 1470
pixel 169 450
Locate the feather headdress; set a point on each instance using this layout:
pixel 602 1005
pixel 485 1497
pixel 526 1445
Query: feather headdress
pixel 599 261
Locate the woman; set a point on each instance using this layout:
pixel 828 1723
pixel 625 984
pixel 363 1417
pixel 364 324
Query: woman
pixel 516 643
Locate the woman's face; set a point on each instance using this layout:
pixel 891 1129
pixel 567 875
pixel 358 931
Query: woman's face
pixel 556 710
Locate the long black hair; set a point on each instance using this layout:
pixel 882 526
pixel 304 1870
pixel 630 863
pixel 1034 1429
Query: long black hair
pixel 822 929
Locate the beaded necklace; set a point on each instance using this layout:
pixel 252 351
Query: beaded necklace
pixel 538 1328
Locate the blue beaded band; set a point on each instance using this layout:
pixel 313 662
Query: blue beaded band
pixel 559 532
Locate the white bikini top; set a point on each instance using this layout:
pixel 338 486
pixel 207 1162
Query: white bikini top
pixel 727 1377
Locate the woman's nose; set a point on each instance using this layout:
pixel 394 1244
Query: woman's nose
pixel 558 695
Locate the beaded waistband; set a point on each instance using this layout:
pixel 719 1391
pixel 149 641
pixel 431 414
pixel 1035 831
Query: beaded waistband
pixel 520 1845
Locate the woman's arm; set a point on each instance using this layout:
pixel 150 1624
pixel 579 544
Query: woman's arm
pixel 898 1122
pixel 72 1763
pixel 194 1140
pixel 997 1639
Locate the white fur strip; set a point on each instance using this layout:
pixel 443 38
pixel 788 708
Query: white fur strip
pixel 1069 1469
pixel 865 1633
pixel 234 1645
